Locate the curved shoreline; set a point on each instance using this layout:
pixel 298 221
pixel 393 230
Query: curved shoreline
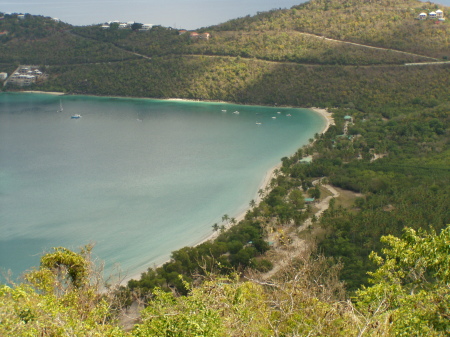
pixel 323 113
pixel 326 116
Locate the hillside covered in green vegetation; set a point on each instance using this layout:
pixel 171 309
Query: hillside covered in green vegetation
pixel 385 77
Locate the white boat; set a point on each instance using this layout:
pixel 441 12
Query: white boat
pixel 278 112
pixel 76 116
pixel 224 110
pixel 289 115
pixel 236 112
pixel 60 106
pixel 274 118
pixel 258 123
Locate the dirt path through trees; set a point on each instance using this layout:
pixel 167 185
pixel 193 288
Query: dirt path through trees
pixel 367 46
pixel 285 254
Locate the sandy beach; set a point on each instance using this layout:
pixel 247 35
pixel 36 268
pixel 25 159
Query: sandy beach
pixel 328 118
pixel 326 115
pixel 270 174
pixel 44 92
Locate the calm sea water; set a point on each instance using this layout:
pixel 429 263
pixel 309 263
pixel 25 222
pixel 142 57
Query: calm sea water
pixel 139 178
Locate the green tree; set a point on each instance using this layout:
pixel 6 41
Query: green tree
pixel 225 218
pixel 136 26
pixel 297 199
pixel 61 298
pixel 184 316
pixel 410 293
pixel 220 307
pixel 314 192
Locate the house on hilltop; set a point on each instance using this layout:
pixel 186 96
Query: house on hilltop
pixel 147 26
pixel 201 36
pixel 25 75
pixel 439 14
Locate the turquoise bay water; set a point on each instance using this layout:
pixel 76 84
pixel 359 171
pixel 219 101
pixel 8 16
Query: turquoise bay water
pixel 139 178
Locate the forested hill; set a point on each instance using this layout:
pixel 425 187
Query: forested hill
pixel 309 53
pixel 292 34
pixel 384 23
pixel 382 169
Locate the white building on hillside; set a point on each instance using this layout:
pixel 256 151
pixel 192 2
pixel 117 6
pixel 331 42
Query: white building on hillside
pixel 147 26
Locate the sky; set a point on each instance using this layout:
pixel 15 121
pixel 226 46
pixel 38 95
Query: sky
pixel 187 14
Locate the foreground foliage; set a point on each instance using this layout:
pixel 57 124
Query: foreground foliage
pixel 61 298
pixel 409 297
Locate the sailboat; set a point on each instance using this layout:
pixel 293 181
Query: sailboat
pixel 60 106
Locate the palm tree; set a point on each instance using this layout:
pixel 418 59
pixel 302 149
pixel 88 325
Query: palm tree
pixel 252 203
pixel 273 183
pixel 233 221
pixel 225 218
pixel 261 193
pixel 215 227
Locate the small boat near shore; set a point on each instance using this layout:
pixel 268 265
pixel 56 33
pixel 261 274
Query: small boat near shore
pixel 236 112
pixel 258 123
pixel 60 107
pixel 76 116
